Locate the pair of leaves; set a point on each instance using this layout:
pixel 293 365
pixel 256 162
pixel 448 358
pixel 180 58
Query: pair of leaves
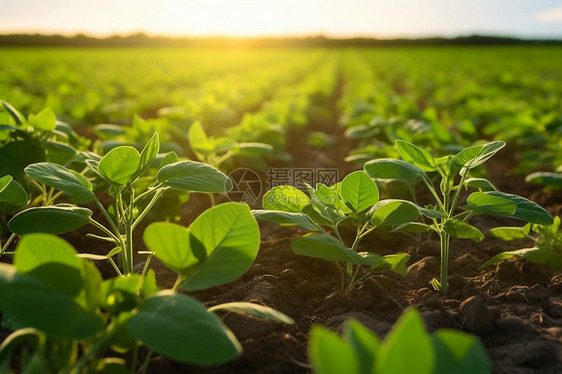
pixel 218 247
pixel 408 348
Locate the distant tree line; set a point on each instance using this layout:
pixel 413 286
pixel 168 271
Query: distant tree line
pixel 143 40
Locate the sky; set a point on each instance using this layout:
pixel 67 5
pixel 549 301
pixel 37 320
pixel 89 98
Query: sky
pixel 249 18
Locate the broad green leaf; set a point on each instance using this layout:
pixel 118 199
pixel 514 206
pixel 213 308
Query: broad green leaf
pixel 12 195
pixel 392 212
pixel 194 176
pixel 223 144
pixel 168 158
pixel 256 310
pixel 395 263
pixel 329 354
pixel 120 164
pixel 179 327
pixel 431 212
pixel 325 247
pixel 75 185
pixel 50 259
pixel 458 353
pixel 289 218
pixel 388 168
pixel 35 303
pixel 226 240
pixel 17 117
pixel 108 131
pixel 368 258
pixel 481 183
pixel 359 191
pixel 545 178
pixel 253 149
pixel 412 227
pixel 472 157
pixel 56 219
pixel 326 196
pixel 364 343
pixel 511 233
pixel 148 153
pixel 171 243
pixel 407 348
pixel 199 141
pixel 526 210
pixel 59 152
pixel 5 181
pixel 45 120
pixel 539 254
pixel 484 203
pixel 416 155
pixel 462 230
pixel 16 155
pixel 285 199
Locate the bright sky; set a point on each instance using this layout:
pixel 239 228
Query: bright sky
pixel 337 18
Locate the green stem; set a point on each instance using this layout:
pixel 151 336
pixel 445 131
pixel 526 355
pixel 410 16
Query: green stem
pixel 463 173
pixel 7 244
pixel 146 362
pixel 153 201
pixel 129 233
pixel 444 261
pixel 96 348
pixel 145 269
pixel 135 358
pixel 179 281
pixel 432 190
pixel 102 228
pixel 108 218
pixel 212 198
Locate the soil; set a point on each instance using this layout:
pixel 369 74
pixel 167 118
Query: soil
pixel 514 308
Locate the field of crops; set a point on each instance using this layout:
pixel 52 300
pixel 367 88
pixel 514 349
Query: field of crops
pixel 249 210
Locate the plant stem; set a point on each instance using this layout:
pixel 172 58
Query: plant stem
pixel 179 281
pixel 444 261
pixel 129 233
pixel 102 228
pixel 212 198
pixel 153 201
pixel 146 362
pixel 463 173
pixel 8 242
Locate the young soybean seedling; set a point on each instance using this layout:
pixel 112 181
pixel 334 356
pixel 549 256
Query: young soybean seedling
pixel 121 169
pixel 354 201
pixel 547 248
pixel 444 216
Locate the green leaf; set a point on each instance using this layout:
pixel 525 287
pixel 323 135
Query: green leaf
pixel 194 176
pixel 325 247
pixel 12 195
pixel 75 185
pixel 169 158
pixel 407 348
pixel 148 153
pixel 199 142
pixel 256 310
pixel 416 155
pixel 226 240
pixel 364 343
pixel 458 353
pixel 59 152
pixel 392 212
pixel 120 164
pixel 35 303
pixel 289 218
pixel 171 244
pixel 18 154
pixel 540 254
pixel 359 191
pixel 412 227
pixel 526 210
pixel 388 168
pixel 511 233
pixel 50 259
pixel 431 212
pixel 57 219
pixel 481 183
pixel 45 120
pixel 108 131
pixel 17 117
pixel 120 294
pixel 285 199
pixel 545 178
pixel 180 327
pixel 462 230
pixel 329 354
pixel 395 263
pixel 484 203
pixel 472 157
